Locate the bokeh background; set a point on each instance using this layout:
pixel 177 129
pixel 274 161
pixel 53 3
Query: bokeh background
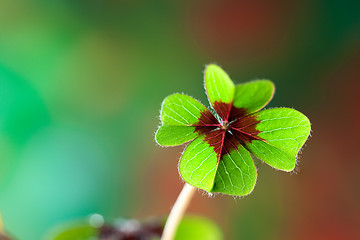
pixel 81 83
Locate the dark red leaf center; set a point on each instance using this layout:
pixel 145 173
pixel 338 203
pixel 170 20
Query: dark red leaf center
pixel 236 128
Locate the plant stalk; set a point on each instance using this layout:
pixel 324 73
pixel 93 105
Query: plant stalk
pixel 1 225
pixel 177 212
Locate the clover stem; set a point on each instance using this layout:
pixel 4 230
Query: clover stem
pixel 1 225
pixel 177 212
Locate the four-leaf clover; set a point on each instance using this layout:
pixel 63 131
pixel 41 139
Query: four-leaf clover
pixel 218 157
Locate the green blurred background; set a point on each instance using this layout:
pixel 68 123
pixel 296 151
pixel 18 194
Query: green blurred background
pixel 81 83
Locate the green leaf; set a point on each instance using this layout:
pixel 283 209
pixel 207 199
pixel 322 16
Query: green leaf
pixel 73 231
pixel 253 96
pixel 203 167
pixel 180 114
pixel 220 90
pixel 175 135
pixel 181 110
pixel 199 228
pixel 236 173
pixel 284 131
pixel 198 164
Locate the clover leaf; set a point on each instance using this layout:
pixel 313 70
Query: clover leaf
pixel 218 157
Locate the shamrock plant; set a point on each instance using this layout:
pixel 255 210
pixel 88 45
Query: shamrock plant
pixel 222 140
